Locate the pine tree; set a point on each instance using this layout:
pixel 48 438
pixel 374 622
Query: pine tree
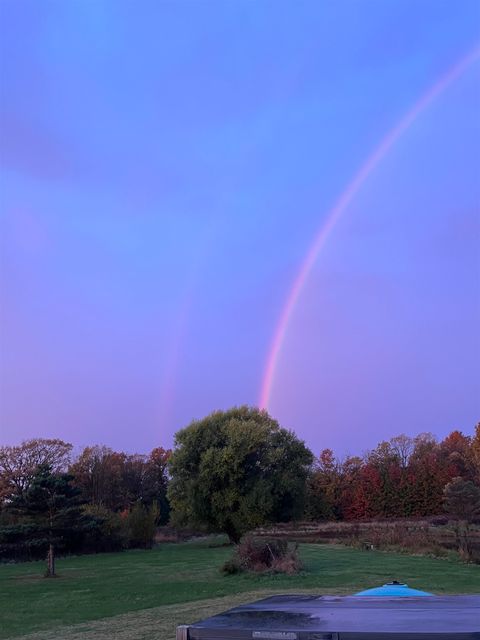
pixel 53 505
pixel 462 499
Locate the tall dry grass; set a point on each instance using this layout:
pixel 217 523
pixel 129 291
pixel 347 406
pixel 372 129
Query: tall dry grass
pixel 436 536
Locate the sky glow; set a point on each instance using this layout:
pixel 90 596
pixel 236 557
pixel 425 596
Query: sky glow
pixel 164 167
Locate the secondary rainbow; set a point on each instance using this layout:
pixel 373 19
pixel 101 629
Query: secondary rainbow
pixel 340 207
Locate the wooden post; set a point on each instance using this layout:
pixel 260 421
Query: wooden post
pixel 182 632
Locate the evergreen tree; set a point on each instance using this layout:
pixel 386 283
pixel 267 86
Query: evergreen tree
pixel 462 499
pixel 52 507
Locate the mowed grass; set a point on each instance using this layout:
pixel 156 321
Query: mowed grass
pixel 90 588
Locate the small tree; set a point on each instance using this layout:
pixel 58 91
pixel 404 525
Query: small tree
pixel 236 470
pixel 142 523
pixel 462 500
pixel 156 481
pixel 52 504
pixel 107 530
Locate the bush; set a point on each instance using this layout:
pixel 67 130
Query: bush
pixel 264 556
pixel 141 524
pixel 230 567
pixel 23 542
pixel 108 531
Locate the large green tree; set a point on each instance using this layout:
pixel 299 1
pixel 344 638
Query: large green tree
pixel 236 470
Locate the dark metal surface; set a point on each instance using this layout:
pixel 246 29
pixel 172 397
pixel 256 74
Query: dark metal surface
pixel 349 618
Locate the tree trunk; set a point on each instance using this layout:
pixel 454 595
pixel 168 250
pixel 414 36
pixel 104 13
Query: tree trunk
pixel 233 535
pixel 50 562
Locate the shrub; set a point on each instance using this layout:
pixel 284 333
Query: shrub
pixel 261 556
pixel 108 531
pixel 230 567
pixel 141 525
pixel 23 541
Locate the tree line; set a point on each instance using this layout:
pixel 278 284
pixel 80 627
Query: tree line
pixel 403 477
pixel 100 500
pixel 231 472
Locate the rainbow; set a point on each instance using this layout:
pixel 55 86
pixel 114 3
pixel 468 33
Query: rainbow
pixel 338 210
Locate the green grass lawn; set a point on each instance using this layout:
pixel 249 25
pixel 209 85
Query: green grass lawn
pixel 93 587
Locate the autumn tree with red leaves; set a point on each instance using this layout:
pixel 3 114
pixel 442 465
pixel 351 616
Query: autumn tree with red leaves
pixel 404 477
pixel 118 481
pixel 19 464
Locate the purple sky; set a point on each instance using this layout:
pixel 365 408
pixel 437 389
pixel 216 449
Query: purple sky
pixel 165 167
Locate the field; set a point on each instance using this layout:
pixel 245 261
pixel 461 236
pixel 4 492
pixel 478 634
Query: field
pixel 144 594
pixel 422 534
